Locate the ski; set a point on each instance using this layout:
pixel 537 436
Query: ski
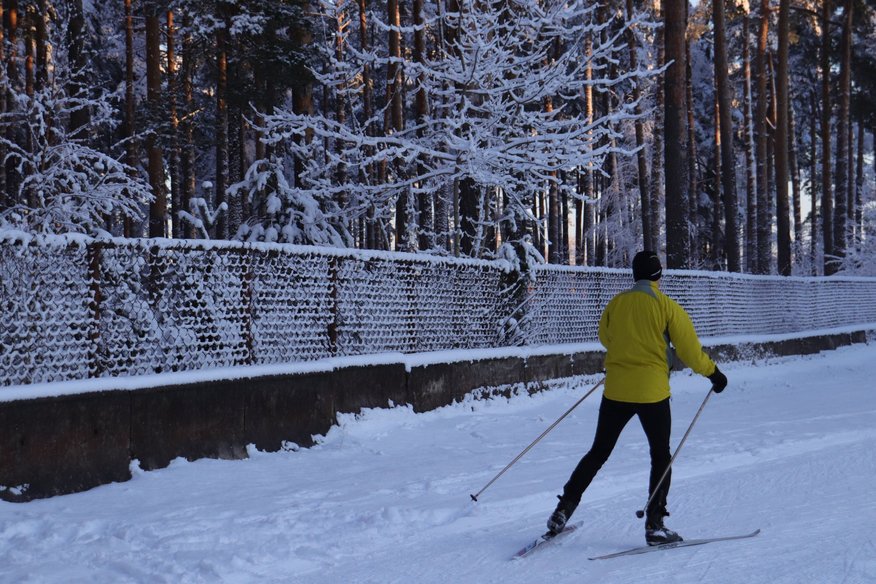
pixel 669 546
pixel 543 539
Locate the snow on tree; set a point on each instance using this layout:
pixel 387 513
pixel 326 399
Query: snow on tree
pixel 67 184
pixel 289 215
pixel 860 258
pixel 488 135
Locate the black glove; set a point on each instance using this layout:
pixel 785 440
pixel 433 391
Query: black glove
pixel 719 380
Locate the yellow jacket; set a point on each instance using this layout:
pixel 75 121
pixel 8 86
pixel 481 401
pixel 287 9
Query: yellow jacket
pixel 636 329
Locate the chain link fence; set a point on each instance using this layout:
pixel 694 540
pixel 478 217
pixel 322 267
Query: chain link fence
pixel 566 302
pixel 78 308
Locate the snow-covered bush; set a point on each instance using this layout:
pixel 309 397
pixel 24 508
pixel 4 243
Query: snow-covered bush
pixel 68 183
pixel 290 215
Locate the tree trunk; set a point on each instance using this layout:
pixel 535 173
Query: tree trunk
pixel 130 105
pixel 676 135
pixel 859 183
pixel 367 83
pixel 657 162
pixel 78 84
pixel 588 221
pixel 13 76
pixel 235 160
pixel 760 132
pixel 466 193
pixel 426 214
pixel 29 49
pixel 41 13
pixel 559 243
pixel 188 155
pixel 813 195
pixel 158 207
pixel 716 247
pixel 771 148
pixel 174 163
pixel 579 217
pixel 601 211
pixel 6 198
pixel 39 16
pixel 394 81
pixel 555 245
pixel 648 238
pixel 442 218
pixel 394 121
pixel 564 224
pixel 538 212
pixel 750 164
pixel 373 232
pixel 783 211
pixel 340 23
pixel 221 178
pixel 260 80
pixel 11 21
pixel 469 197
pixel 850 202
pixel 841 197
pixel 606 203
pixel 553 207
pixel 794 169
pixel 728 152
pixel 826 194
pixel 693 190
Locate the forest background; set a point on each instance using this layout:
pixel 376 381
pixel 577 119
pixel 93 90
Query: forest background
pixel 727 136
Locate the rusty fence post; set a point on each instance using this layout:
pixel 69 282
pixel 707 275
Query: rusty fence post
pixel 335 309
pixel 248 257
pixel 95 303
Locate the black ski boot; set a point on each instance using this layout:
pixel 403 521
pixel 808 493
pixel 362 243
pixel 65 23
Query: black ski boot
pixel 658 534
pixel 557 521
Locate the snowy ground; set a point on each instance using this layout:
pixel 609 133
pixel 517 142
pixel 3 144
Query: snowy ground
pixel 789 447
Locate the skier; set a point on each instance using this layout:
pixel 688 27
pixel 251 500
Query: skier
pixel 636 329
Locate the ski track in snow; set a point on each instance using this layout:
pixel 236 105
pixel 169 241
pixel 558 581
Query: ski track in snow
pixel 384 498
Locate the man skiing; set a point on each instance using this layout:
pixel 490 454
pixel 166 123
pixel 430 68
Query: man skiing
pixel 636 329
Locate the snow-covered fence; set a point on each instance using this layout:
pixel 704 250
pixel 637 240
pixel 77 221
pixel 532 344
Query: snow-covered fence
pixel 78 308
pixel 565 303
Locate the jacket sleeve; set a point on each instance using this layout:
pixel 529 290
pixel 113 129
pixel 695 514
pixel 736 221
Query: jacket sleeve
pixel 687 344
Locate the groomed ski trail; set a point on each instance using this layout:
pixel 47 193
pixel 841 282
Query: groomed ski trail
pixel 788 448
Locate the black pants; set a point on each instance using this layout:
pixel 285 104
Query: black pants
pixel 656 420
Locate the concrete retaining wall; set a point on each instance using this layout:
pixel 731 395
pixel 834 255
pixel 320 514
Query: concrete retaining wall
pixel 58 445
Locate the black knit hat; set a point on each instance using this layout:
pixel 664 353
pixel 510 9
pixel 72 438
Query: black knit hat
pixel 646 266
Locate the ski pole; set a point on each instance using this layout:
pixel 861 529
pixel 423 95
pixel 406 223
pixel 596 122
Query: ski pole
pixel 534 442
pixel 641 512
